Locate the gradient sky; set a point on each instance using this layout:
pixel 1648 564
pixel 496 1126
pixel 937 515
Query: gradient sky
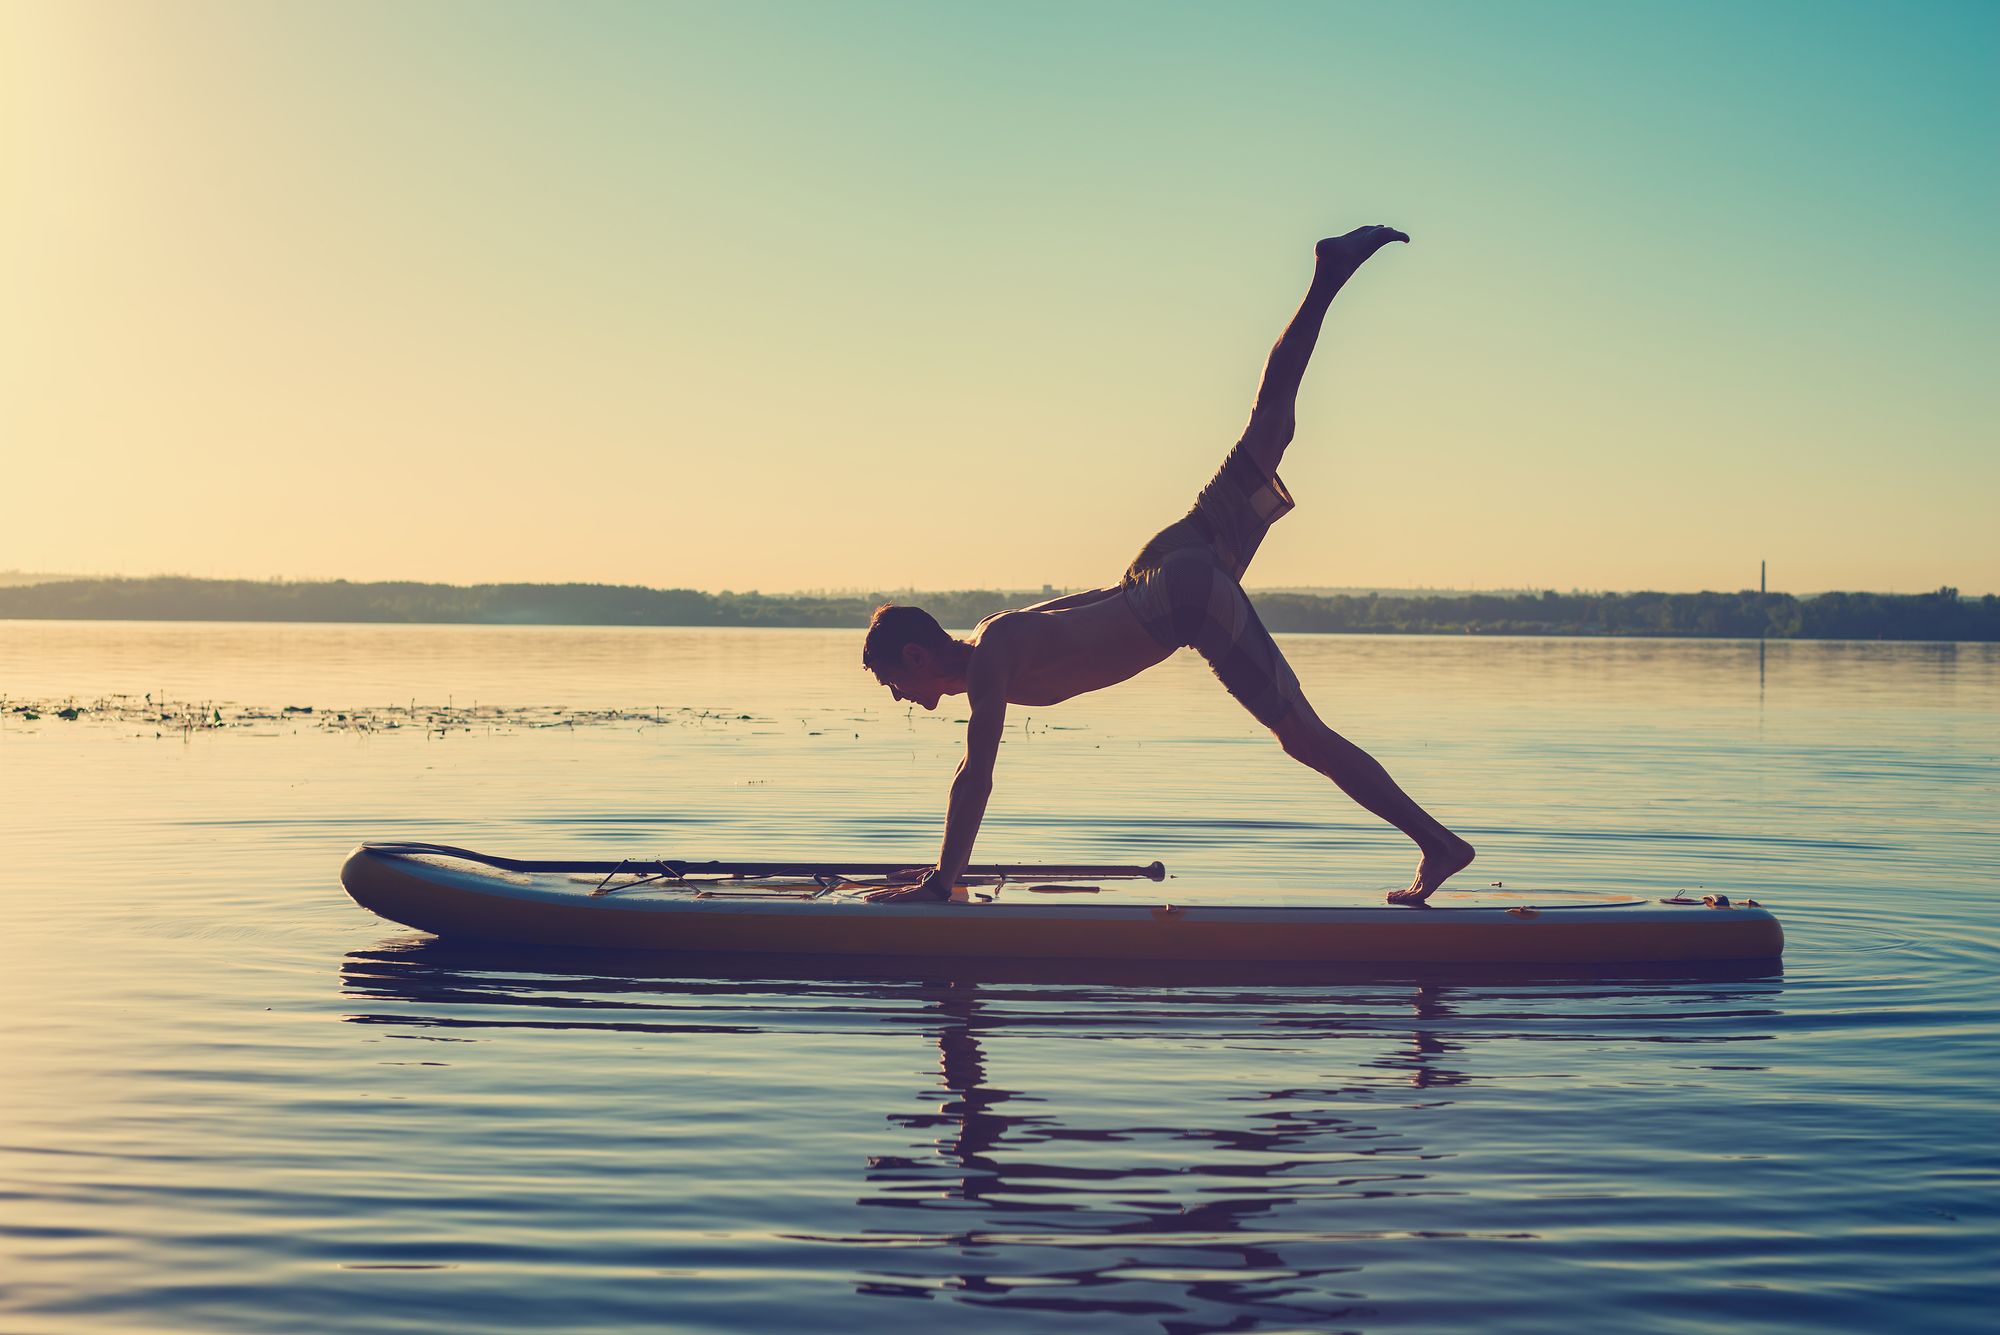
pixel 791 296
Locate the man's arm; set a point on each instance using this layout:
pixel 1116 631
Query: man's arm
pixel 986 689
pixel 973 783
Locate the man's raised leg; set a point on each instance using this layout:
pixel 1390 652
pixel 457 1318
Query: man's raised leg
pixel 1272 418
pixel 1359 775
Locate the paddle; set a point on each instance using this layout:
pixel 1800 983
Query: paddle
pixel 676 868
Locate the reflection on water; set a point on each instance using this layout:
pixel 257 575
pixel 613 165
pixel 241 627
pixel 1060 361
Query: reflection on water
pixel 236 1103
pixel 1104 1216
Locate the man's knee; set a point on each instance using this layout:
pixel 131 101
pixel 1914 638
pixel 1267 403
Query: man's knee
pixel 1264 448
pixel 1302 735
pixel 1266 437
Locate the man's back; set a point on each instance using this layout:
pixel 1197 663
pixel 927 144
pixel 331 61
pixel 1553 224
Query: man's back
pixel 1048 656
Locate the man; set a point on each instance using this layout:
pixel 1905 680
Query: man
pixel 1183 589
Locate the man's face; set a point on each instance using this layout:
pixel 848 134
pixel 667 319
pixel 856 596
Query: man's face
pixel 916 679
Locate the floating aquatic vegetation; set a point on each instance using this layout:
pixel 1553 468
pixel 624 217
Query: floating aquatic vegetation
pixel 162 716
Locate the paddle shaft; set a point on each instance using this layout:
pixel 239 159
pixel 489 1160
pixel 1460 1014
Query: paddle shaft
pixel 1062 871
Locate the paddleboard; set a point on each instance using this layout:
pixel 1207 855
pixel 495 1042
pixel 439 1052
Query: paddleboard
pixel 1011 912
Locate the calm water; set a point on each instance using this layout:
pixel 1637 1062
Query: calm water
pixel 235 1102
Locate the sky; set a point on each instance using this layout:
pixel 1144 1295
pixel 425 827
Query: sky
pixel 943 295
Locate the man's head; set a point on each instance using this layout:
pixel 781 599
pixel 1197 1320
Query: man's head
pixel 910 653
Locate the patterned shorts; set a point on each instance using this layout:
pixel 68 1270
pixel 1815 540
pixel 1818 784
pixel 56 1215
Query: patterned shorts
pixel 1184 586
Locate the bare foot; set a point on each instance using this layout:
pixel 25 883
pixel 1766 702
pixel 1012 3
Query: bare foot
pixel 1345 254
pixel 1438 862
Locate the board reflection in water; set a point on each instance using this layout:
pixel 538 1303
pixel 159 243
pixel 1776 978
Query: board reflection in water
pixel 1022 1171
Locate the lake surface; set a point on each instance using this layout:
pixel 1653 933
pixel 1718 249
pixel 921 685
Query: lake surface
pixel 234 1101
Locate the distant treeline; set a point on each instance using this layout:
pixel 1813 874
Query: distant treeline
pixel 1942 615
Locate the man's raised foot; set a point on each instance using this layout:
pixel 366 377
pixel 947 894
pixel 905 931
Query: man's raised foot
pixel 1345 254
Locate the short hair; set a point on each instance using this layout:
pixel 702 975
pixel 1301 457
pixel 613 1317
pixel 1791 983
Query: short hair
pixel 894 626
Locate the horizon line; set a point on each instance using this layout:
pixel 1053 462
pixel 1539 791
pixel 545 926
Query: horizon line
pixel 15 578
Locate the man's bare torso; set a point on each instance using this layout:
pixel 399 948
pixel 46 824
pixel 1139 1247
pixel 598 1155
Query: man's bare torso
pixel 1047 657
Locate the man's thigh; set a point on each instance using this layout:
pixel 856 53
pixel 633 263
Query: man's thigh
pixel 1232 638
pixel 1239 505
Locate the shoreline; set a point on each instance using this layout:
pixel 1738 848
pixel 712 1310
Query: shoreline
pixel 1942 616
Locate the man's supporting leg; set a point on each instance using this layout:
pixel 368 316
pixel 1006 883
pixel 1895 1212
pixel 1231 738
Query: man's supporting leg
pixel 1359 775
pixel 1272 418
pixel 1213 616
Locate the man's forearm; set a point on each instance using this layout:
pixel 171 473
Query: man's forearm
pixel 969 791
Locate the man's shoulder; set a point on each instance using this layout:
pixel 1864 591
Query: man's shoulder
pixel 999 629
pixel 1007 635
pixel 979 626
